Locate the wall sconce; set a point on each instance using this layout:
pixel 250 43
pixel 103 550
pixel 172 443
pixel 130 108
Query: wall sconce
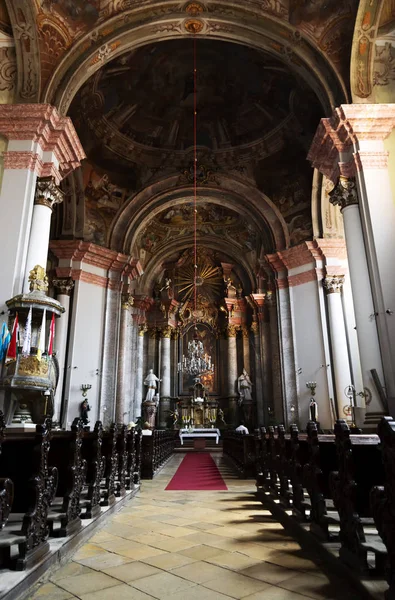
pixel 85 387
pixel 311 385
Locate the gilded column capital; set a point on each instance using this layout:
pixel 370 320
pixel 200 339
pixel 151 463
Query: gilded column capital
pixel 142 329
pixel 152 332
pixel 175 334
pixel 245 331
pixel 48 193
pixel 333 284
pixel 63 285
pixel 344 193
pixel 127 301
pixel 165 332
pixel 232 330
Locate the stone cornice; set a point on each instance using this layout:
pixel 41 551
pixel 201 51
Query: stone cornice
pixel 86 252
pixel 41 123
pixel 348 125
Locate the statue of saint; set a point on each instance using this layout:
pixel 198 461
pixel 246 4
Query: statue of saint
pixel 313 410
pixel 244 386
pixel 151 382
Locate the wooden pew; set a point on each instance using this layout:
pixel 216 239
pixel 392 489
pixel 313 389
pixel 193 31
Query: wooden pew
pixel 122 451
pixel 138 458
pixel 95 461
pixel 109 450
pixel 66 455
pixel 6 485
pixel 240 449
pixel 360 469
pixel 156 451
pixel 24 460
pixel 298 459
pixel 382 499
pixel 131 450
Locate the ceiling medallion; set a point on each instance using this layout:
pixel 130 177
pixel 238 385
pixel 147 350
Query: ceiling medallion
pixel 194 9
pixel 193 26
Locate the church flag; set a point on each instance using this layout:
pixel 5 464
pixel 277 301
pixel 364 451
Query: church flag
pixel 13 347
pixel 5 338
pixel 41 338
pixel 51 335
pixel 27 341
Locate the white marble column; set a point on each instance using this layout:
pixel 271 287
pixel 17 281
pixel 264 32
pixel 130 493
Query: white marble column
pixel 139 371
pixel 65 287
pixel 345 195
pixel 276 404
pixel 46 196
pixel 165 371
pixel 333 285
pixel 287 357
pixel 121 400
pixel 246 349
pixel 258 374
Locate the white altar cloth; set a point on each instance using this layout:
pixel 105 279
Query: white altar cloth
pixel 199 433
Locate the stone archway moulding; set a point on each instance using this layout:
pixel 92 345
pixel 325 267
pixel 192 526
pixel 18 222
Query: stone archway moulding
pixel 140 26
pixel 237 195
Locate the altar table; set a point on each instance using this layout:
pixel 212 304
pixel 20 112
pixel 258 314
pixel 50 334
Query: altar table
pixel 199 433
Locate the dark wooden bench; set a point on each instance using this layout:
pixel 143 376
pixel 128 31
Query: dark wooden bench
pixel 65 454
pixel 156 451
pixel 95 465
pixel 109 450
pixel 24 460
pixel 240 449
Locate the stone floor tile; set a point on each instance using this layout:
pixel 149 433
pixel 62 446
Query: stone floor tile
pixel 176 531
pixel 309 585
pixel 161 584
pixel 88 550
pixel 50 591
pixel 198 593
pixel 86 583
pixel 201 552
pixel 268 572
pixel 199 572
pixel 137 551
pixel 235 561
pixel 104 561
pixel 276 593
pixel 119 592
pixel 68 570
pixel 235 585
pixel 131 571
pixel 294 560
pixel 169 561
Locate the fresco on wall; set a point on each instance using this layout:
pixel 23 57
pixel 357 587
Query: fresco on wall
pixel 102 201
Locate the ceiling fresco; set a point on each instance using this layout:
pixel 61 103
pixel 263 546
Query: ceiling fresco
pixel 141 103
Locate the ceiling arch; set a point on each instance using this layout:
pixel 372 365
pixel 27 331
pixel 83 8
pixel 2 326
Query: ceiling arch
pixel 136 28
pixel 236 194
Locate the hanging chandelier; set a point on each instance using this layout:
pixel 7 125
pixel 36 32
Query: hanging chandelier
pixel 197 362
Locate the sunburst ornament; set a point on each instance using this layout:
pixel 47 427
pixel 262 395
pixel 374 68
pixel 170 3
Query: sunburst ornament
pixel 208 280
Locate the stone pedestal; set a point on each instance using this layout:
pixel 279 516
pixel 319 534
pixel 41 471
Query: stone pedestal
pixel 149 410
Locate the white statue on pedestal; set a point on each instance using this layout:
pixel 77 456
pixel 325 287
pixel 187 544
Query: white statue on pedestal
pixel 151 382
pixel 244 386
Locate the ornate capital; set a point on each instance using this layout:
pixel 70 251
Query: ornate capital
pixel 127 301
pixel 142 329
pixel 38 279
pixel 344 193
pixel 63 285
pixel 48 193
pixel 245 331
pixel 333 284
pixel 175 334
pixel 165 332
pixel 232 330
pixel 152 332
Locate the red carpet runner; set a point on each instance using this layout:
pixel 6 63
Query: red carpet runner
pixel 197 471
